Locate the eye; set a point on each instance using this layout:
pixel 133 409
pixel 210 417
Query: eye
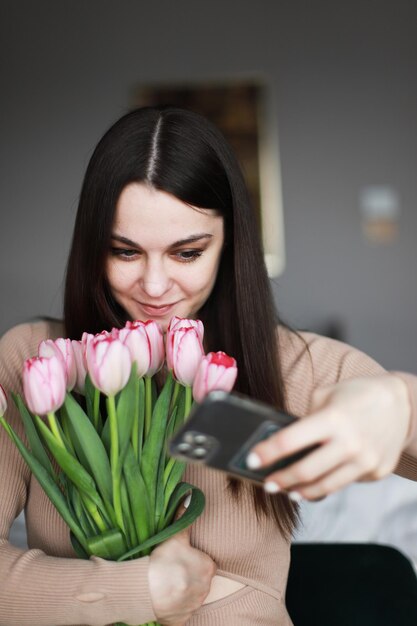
pixel 187 256
pixel 124 253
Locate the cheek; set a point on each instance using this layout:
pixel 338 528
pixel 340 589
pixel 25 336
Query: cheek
pixel 201 281
pixel 118 278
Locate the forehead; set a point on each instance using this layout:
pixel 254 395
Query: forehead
pixel 144 213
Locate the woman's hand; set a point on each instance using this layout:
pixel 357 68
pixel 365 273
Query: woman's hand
pixel 361 426
pixel 179 579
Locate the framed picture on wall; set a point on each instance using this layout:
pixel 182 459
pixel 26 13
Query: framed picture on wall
pixel 244 112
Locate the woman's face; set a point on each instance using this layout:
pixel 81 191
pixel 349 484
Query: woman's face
pixel 164 255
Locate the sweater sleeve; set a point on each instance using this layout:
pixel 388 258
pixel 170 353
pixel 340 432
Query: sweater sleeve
pixel 407 466
pixel 36 588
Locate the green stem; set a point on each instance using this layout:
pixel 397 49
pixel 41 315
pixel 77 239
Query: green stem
pixel 135 428
pixel 114 461
pixel 94 512
pixel 96 409
pixel 177 388
pixel 168 469
pixel 65 428
pixel 188 401
pixel 55 429
pixel 148 404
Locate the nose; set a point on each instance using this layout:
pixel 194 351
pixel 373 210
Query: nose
pixel 155 279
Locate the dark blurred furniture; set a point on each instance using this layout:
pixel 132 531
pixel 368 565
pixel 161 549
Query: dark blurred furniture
pixel 351 585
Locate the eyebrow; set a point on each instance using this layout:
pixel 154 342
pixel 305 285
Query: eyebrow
pixel 180 242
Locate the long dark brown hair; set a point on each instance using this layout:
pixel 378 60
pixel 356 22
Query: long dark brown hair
pixel 181 153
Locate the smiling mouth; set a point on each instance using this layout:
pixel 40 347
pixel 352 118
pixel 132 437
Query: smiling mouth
pixel 156 309
pixel 157 306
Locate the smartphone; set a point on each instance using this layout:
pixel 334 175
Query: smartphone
pixel 221 431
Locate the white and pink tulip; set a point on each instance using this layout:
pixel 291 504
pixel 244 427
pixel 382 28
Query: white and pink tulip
pixel 44 384
pixel 63 350
pixel 216 371
pixel 184 352
pixel 136 339
pixel 80 364
pixel 108 363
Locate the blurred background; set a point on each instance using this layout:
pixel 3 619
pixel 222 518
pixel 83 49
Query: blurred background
pixel 342 75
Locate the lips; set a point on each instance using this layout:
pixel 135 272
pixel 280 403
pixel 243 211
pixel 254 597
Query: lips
pixel 157 311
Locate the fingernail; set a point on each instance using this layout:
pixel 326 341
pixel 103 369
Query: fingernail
pixel 253 461
pixel 295 496
pixel 271 487
pixel 187 501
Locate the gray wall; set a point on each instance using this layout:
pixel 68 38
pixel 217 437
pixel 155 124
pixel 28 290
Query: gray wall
pixel 344 74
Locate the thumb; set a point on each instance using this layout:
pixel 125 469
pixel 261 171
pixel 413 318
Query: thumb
pixel 183 506
pixel 184 535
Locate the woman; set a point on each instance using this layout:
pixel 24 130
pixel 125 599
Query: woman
pixel 164 227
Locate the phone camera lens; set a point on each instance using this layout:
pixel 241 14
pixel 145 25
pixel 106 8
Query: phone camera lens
pixel 199 453
pixel 200 439
pixel 183 447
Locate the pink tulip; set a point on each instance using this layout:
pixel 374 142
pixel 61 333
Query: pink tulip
pixel 156 343
pixel 44 384
pixel 108 363
pixel 61 348
pixel 114 333
pixel 136 339
pixel 175 324
pixel 180 322
pixel 86 338
pixel 3 401
pixel 217 370
pixel 184 353
pixel 80 364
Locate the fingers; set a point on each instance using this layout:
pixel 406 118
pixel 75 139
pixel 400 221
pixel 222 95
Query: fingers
pixel 183 535
pixel 294 438
pixel 358 428
pixel 324 471
pixel 327 484
pixel 337 461
pixel 310 468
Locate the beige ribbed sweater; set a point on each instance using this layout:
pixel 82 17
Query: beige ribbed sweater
pixel 48 586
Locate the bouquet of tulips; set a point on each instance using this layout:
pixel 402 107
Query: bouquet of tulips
pixel 97 426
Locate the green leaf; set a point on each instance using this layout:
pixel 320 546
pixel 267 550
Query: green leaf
pixel 160 488
pixel 89 390
pixel 92 447
pixel 154 392
pixel 125 412
pixel 179 417
pixel 155 441
pixel 47 484
pixel 73 437
pixel 78 548
pixel 132 540
pixel 178 495
pixel 33 438
pixel 69 464
pixel 138 429
pixel 109 545
pixel 171 426
pixel 79 512
pixel 195 509
pixel 142 513
pixel 105 436
pixel 174 477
